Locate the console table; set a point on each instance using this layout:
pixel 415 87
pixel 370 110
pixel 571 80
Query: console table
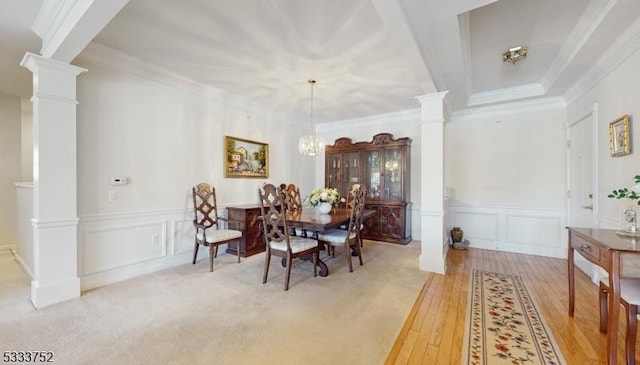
pixel 610 251
pixel 252 241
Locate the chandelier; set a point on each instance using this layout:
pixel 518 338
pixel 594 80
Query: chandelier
pixel 515 54
pixel 311 145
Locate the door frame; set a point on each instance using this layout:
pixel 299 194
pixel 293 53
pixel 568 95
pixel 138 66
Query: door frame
pixel 588 268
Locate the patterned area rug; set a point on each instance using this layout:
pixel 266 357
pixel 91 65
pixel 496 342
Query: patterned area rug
pixel 504 326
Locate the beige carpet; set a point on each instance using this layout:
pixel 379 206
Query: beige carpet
pixel 504 325
pixel 186 315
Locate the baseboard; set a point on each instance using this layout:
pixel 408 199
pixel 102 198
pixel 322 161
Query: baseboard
pixel 24 266
pixel 7 247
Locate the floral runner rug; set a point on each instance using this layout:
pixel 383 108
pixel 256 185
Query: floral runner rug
pixel 504 326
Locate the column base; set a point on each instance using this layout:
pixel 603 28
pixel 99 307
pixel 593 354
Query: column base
pixel 42 296
pixel 433 264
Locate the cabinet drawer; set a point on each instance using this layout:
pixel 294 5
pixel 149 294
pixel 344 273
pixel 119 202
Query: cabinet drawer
pixel 587 249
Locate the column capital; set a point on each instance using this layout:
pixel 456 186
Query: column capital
pixel 432 107
pixel 36 63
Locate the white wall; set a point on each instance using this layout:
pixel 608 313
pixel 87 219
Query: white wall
pixel 164 138
pixel 11 170
pixel 26 160
pixel 506 176
pixel 616 95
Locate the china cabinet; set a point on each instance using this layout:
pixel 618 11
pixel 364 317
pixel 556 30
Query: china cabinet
pixel 382 166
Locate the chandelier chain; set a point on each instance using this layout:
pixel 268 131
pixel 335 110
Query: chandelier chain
pixel 313 129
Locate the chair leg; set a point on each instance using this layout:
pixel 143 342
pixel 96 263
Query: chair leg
pixel 347 253
pixel 286 279
pixel 212 250
pixel 604 312
pixel 238 251
pixel 195 252
pixel 215 251
pixel 359 251
pixel 267 260
pixel 630 335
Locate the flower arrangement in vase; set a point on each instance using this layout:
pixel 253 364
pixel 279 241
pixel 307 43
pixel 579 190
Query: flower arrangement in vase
pixel 324 199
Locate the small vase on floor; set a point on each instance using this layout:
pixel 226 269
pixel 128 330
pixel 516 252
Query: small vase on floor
pixel 324 208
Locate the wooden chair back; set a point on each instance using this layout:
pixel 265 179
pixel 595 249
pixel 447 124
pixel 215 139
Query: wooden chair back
pixel 204 205
pixel 273 208
pixel 292 197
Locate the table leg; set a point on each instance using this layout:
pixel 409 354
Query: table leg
pixel 323 268
pixel 572 282
pixel 614 306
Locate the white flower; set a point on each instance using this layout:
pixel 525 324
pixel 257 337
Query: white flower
pixel 329 195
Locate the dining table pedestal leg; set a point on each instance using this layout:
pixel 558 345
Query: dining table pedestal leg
pixel 323 268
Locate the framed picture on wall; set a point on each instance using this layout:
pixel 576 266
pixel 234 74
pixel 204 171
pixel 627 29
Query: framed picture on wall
pixel 245 158
pixel 619 137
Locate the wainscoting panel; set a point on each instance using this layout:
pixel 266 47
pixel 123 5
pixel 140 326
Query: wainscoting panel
pixel 513 229
pixel 183 236
pixel 116 247
pixel 533 230
pixel 483 225
pixel 121 246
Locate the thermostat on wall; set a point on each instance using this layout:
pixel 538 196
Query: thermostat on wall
pixel 118 180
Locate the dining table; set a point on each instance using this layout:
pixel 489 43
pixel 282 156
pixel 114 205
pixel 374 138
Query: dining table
pixel 617 253
pixel 312 222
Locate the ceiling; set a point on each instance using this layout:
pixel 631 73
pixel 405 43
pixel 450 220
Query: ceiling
pixel 368 56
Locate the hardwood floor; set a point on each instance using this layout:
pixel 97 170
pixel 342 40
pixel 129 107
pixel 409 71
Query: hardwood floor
pixel 434 330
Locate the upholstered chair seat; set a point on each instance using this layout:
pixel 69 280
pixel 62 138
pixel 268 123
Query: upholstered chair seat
pixel 219 235
pixel 298 244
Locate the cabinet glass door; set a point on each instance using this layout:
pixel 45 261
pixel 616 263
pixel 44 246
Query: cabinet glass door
pixel 351 170
pixel 333 170
pixel 392 174
pixel 371 173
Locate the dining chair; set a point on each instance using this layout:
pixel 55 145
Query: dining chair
pixel 350 202
pixel 630 300
pixel 293 202
pixel 276 233
pixel 206 222
pixel 348 238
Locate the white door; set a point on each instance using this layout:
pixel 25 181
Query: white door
pixel 581 202
pixel 580 152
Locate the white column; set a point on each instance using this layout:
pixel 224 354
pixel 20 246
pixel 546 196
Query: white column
pixel 434 244
pixel 55 221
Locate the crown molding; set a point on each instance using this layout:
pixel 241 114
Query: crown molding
pixel 465 43
pixel 506 94
pixel 405 116
pixel 591 19
pixel 527 106
pixel 623 48
pixel 110 58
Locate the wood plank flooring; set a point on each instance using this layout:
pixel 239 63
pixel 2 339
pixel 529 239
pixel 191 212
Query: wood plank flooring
pixel 434 330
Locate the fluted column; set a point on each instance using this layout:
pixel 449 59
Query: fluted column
pixel 55 219
pixel 432 257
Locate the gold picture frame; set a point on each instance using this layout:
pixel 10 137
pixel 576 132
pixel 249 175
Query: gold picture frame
pixel 245 158
pixel 619 137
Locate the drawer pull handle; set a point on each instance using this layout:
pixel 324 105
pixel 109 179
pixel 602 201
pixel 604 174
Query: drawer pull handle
pixel 584 248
